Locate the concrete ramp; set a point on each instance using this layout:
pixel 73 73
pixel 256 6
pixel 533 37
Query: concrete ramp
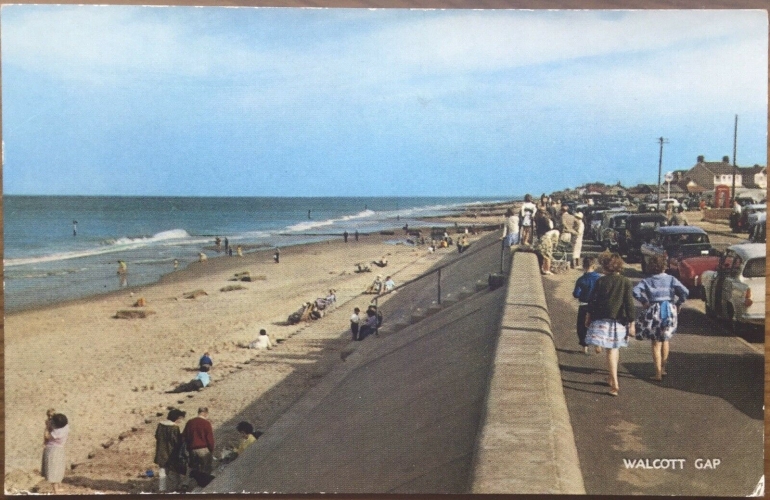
pixel 401 415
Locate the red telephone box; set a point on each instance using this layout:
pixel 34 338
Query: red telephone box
pixel 722 196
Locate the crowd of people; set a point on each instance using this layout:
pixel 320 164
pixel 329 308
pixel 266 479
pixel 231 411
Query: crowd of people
pixel 543 227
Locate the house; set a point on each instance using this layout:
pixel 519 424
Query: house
pixel 755 177
pixel 708 174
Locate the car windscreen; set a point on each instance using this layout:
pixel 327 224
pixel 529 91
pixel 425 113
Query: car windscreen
pixel 688 239
pixel 755 268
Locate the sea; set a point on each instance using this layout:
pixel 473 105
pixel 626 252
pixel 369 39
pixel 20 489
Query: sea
pixel 59 248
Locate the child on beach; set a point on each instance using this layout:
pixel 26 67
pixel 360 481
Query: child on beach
pixel 205 360
pixel 262 342
pixel 582 292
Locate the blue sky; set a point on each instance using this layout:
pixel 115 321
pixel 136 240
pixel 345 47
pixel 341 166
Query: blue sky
pixel 129 100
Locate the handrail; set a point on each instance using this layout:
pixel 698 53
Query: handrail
pixel 436 270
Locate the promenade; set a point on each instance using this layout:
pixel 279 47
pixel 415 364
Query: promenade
pixel 707 413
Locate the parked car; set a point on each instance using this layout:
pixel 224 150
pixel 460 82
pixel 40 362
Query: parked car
pixel 600 220
pixel 640 229
pixel 676 243
pixel 735 291
pixel 652 206
pixel 612 224
pixel 691 269
pixel 743 222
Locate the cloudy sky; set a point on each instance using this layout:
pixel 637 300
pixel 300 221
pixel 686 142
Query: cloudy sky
pixel 132 100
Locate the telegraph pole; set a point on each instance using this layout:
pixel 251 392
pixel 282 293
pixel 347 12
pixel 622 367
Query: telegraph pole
pixel 662 141
pixel 735 165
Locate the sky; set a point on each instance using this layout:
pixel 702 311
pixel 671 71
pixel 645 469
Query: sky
pixel 211 101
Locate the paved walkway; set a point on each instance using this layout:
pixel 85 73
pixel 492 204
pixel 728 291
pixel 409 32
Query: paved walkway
pixel 709 407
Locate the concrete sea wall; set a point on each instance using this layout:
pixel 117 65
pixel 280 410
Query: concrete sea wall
pixel 526 444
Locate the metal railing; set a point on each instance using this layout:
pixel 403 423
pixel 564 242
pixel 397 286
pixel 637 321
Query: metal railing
pixel 450 278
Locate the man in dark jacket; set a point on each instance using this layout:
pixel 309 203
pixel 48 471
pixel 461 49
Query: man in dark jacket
pixel 168 439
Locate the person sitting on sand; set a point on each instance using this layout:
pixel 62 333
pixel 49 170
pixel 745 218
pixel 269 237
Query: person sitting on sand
pixel 380 263
pixel 205 360
pixel 389 284
pixel 262 342
pixel 363 268
pixel 463 244
pixel 239 251
pixel 331 299
pixel 202 257
pixel 199 382
pixel 376 286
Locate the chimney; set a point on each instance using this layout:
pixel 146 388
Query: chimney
pixel 701 158
pixel 725 159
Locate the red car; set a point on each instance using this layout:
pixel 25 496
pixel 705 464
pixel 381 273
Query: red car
pixel 691 268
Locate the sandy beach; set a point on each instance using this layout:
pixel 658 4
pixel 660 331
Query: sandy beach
pixel 109 376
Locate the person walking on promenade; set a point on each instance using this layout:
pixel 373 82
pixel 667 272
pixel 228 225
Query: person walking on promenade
pixel 168 439
pixel 199 437
pixel 662 296
pixel 54 460
pixel 577 247
pixel 511 228
pixel 610 316
pixel 355 322
pixel 583 287
pixel 527 214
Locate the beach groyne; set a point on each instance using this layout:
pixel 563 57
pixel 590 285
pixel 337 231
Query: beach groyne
pixel 526 443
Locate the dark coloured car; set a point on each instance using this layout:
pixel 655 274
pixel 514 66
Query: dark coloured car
pixel 612 225
pixel 676 243
pixel 639 229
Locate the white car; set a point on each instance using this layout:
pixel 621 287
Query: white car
pixel 665 202
pixel 736 290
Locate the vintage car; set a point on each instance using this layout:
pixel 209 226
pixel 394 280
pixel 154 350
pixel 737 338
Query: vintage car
pixel 676 243
pixel 742 222
pixel 599 221
pixel 735 291
pixel 612 223
pixel 639 229
pixel 691 269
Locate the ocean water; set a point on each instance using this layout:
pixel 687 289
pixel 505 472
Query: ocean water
pixel 45 263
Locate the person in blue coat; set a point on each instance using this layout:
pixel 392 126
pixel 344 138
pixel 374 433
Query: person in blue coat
pixel 583 287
